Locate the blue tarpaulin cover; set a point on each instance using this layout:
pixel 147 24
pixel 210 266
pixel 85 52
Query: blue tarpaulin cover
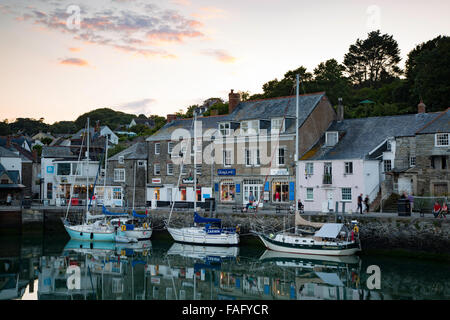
pixel 200 219
pixel 109 213
pixel 137 215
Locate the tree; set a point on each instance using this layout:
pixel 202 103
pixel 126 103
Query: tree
pixel 373 60
pixel 428 73
pixel 106 116
pixel 63 127
pixel 329 77
pixel 4 128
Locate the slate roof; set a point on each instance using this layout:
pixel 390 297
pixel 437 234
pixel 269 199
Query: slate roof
pixel 57 152
pixel 358 137
pixel 7 153
pixel 277 107
pixel 249 110
pixel 14 175
pixel 165 133
pixel 441 124
pixel 137 151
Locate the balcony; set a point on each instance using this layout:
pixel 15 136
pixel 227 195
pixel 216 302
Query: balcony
pixel 327 179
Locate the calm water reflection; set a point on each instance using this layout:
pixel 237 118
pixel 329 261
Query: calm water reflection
pixel 161 269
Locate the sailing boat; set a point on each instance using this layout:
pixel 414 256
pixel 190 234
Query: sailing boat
pixel 99 230
pixel 212 232
pixel 332 239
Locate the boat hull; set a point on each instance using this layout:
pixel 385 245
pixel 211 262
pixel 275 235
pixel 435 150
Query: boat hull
pixel 200 236
pixel 87 234
pixel 139 234
pixel 323 250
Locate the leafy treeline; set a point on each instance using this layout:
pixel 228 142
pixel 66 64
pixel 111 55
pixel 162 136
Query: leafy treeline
pixel 111 118
pixel 370 81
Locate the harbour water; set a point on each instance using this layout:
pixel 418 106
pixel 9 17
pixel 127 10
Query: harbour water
pixel 56 268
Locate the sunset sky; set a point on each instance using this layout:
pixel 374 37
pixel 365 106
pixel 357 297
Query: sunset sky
pixel 156 57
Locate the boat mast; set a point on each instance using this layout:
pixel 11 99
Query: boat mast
pixel 106 167
pixel 87 169
pixel 134 183
pixel 195 160
pixel 297 180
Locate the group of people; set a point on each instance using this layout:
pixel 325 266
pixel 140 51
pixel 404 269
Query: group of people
pixel 360 203
pixel 439 211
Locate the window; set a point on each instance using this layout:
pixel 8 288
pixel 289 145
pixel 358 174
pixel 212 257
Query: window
pixel 277 125
pixel 280 156
pixel 387 164
pixel 63 169
pixel 346 194
pixel 183 169
pixel 117 285
pixel 49 190
pixel 412 161
pixel 117 193
pixel 157 169
pixel 76 169
pixel 348 167
pixel 280 191
pixel 331 138
pixel 309 168
pixel 227 190
pixel 252 157
pixel 119 175
pixel 198 169
pixel 227 158
pixel 121 160
pixel 442 139
pixel 388 146
pixel 170 169
pixel 169 147
pixel 250 127
pixel 224 129
pixel 141 163
pixel 157 148
pixel 309 194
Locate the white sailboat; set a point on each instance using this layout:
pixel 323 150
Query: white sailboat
pixel 99 229
pixel 332 239
pixel 208 231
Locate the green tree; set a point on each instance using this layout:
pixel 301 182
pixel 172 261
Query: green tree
pixel 329 77
pixel 106 116
pixel 428 73
pixel 4 128
pixel 374 60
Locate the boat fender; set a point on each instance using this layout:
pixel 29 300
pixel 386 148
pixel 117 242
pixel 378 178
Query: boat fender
pixel 145 225
pixel 271 235
pixel 356 229
pixel 123 253
pixel 238 229
pixel 123 228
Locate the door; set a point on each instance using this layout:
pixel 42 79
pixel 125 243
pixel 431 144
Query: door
pixel 255 189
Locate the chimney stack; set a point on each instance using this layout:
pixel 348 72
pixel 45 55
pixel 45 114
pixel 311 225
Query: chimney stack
pixel 171 117
pixel 421 107
pixel 340 110
pixel 35 155
pixel 233 101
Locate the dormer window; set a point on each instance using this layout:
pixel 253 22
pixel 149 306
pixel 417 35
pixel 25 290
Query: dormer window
pixel 250 127
pixel 388 146
pixel 224 129
pixel 277 124
pixel 331 138
pixel 121 159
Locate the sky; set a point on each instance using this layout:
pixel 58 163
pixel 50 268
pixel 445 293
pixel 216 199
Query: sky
pixel 60 59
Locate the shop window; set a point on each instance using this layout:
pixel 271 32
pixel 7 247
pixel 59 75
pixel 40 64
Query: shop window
pixel 227 190
pixel 117 193
pixel 280 191
pixel 63 169
pixel 183 194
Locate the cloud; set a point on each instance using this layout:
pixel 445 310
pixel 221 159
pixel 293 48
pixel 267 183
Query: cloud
pixel 209 13
pixel 137 107
pixel 73 49
pixel 141 28
pixel 220 55
pixel 182 2
pixel 74 62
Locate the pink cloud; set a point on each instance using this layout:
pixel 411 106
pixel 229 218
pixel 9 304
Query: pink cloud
pixel 74 62
pixel 220 55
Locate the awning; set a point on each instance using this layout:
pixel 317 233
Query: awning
pixel 329 230
pixel 12 186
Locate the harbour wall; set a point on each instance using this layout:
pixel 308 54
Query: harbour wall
pixel 426 234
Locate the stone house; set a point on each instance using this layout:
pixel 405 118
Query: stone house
pixel 422 160
pixel 126 178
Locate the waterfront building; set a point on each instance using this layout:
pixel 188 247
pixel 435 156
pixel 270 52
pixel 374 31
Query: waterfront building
pixel 98 131
pixel 421 164
pixel 10 175
pixel 126 178
pixel 353 157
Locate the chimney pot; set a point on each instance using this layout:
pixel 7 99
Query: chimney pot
pixel 421 107
pixel 171 117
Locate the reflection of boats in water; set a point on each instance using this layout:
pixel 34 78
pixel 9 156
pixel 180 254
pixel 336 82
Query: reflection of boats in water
pixel 108 248
pixel 295 259
pixel 207 253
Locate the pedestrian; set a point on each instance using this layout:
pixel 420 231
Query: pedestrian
pixel 436 209
pixel 366 202
pixel 360 201
pixel 444 210
pixel 8 199
pixel 411 201
pixel 277 196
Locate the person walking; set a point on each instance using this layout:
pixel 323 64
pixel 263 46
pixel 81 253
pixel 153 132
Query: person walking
pixel 436 209
pixel 366 203
pixel 411 202
pixel 8 199
pixel 360 201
